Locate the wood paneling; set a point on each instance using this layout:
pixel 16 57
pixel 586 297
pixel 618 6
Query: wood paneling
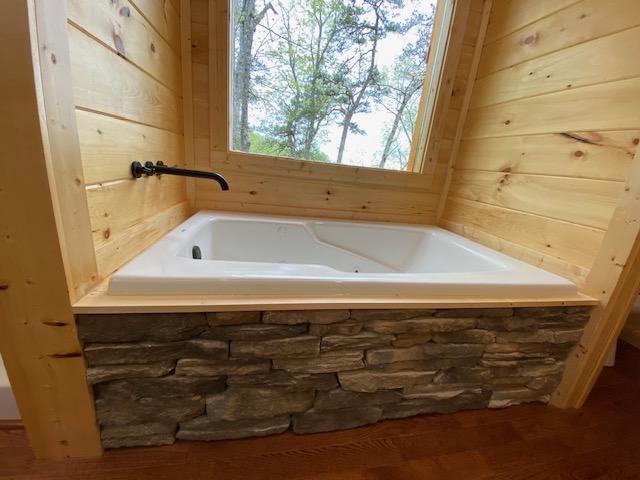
pixel 578 23
pixel 131 241
pixel 551 132
pixel 606 106
pixel 286 186
pixel 164 17
pixel 127 83
pixel 577 244
pixel 105 82
pixel 598 155
pixel 118 206
pixel 577 200
pixel 120 26
pixel 557 71
pixel 511 15
pixel 109 145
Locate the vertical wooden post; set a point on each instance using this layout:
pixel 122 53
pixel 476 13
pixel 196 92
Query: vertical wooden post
pixel 38 341
pixel 187 94
pixel 615 280
pixel 219 93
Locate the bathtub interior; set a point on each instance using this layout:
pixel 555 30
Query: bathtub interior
pixel 352 248
pixel 245 254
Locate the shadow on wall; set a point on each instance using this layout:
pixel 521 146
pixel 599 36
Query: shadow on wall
pixel 8 407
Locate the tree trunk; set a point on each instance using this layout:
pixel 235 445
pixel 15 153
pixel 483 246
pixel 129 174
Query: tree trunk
pixel 353 108
pixel 392 135
pixel 248 21
pixel 345 131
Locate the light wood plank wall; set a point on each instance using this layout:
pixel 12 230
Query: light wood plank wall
pixel 272 185
pixel 552 128
pixel 127 86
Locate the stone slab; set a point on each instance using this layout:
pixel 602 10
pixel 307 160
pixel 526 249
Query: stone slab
pixel 291 381
pixel 359 341
pixel 198 367
pixel 324 363
pixel 251 331
pixel 239 403
pixel 204 428
pixel 126 411
pixel 170 386
pixel 327 421
pixel 296 317
pixel 339 399
pixel 304 345
pixel 135 327
pixel 105 373
pixel 374 380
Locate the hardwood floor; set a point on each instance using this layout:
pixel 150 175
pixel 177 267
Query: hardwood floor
pixel 601 440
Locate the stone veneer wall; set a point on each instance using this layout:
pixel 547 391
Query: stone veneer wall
pixel 212 376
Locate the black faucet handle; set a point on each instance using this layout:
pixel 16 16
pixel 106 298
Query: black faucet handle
pixel 137 169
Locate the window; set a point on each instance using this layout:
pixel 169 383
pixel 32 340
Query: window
pixel 336 81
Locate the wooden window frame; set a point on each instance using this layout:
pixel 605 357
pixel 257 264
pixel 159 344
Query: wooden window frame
pixel 422 137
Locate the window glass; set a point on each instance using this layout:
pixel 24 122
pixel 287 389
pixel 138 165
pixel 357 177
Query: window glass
pixel 336 81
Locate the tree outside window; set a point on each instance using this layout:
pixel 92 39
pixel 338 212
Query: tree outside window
pixel 336 81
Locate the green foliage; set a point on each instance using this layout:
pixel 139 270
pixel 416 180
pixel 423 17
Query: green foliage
pixel 314 68
pixel 269 146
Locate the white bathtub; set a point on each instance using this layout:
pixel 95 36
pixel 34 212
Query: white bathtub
pixel 263 255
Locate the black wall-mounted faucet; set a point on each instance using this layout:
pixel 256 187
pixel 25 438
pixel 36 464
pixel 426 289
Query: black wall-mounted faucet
pixel 137 170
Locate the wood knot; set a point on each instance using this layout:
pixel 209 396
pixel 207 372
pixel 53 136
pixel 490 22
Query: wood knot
pixel 66 355
pixel 78 181
pixel 125 12
pixel 54 59
pixel 152 47
pixel 50 323
pixel 530 39
pixel 507 122
pixel 118 43
pixel 636 141
pixel 107 233
pixel 253 192
pixel 4 286
pixel 578 153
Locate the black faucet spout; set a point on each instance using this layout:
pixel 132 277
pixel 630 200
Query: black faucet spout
pixel 137 170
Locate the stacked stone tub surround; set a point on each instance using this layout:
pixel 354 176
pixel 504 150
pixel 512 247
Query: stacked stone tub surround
pixel 214 376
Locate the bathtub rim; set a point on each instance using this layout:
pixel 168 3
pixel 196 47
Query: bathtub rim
pixel 98 301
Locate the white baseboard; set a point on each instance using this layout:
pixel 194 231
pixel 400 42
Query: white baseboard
pixel 8 407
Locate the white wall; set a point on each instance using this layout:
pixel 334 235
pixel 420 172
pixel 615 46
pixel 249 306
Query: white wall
pixel 8 408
